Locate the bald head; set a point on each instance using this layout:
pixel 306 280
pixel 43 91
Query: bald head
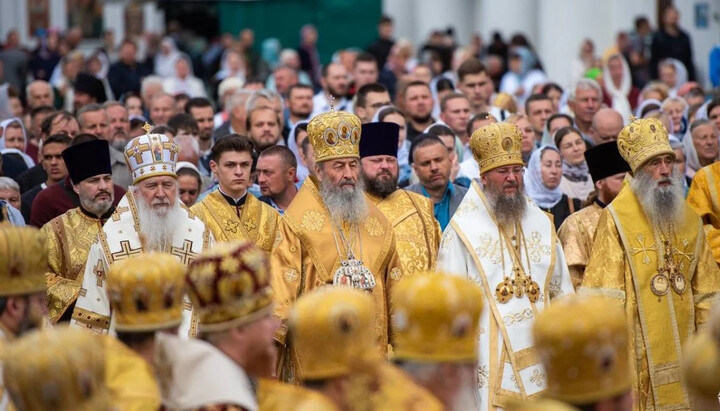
pixel 39 93
pixel 606 125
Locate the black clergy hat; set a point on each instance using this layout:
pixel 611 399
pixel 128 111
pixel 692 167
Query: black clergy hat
pixel 604 160
pixel 87 159
pixel 379 139
pixel 87 83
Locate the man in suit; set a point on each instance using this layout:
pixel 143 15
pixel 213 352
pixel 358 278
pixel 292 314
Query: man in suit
pixel 431 161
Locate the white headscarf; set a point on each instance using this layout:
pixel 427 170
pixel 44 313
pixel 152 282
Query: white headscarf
pixel 534 186
pixel 681 74
pixel 26 158
pixel 301 172
pixel 619 95
pixel 165 63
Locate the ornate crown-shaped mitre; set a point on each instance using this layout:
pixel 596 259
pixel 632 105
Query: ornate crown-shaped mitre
pixel 146 292
pixel 436 318
pixel 229 285
pixel 335 135
pixel 332 330
pixel 56 369
pixel 642 140
pixel 151 155
pixel 583 344
pixel 23 260
pixel 497 145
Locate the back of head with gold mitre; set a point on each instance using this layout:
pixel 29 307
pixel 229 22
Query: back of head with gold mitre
pixel 151 155
pixel 642 140
pixel 61 369
pixel 146 292
pixel 497 145
pixel 335 134
pixel 229 285
pixel 583 344
pixel 701 363
pixel 332 330
pixel 436 318
pixel 23 261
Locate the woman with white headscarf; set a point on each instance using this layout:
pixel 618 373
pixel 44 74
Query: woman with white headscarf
pixel 710 150
pixel 672 73
pixel 618 85
pixel 542 184
pixel 165 59
pixel 10 143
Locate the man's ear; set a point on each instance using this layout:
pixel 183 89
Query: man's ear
pixel 213 166
pixel 76 189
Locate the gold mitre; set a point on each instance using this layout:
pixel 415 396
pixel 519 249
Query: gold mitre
pixel 583 344
pixel 151 155
pixel 61 369
pixel 23 260
pixel 335 134
pixel 332 330
pixel 497 145
pixel 229 285
pixel 146 292
pixel 642 140
pixel 436 318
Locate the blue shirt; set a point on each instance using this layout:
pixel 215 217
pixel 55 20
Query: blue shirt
pixel 442 209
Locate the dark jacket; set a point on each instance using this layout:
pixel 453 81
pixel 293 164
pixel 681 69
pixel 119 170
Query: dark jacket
pixel 124 78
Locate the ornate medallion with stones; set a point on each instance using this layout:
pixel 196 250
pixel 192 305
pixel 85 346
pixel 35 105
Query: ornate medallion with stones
pixel 352 273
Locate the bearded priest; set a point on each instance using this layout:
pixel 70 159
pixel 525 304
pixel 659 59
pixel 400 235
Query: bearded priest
pixel 148 218
pixel 502 241
pixel 650 255
pixel 330 233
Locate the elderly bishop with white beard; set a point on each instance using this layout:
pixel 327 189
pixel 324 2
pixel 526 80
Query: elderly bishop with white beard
pixel 330 233
pixel 502 241
pixel 149 218
pixel 650 254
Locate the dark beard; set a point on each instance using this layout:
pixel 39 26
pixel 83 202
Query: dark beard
pixel 380 187
pixel 422 120
pixel 300 115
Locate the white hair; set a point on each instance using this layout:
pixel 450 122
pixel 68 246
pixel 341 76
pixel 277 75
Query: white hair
pixel 7 183
pixel 259 94
pixel 148 81
pixel 185 141
pixel 229 84
pixel 239 97
pixel 664 206
pixel 157 229
pixel 288 54
pixel 35 83
pixel 584 84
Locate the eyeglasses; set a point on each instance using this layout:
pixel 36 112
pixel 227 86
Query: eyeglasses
pixel 505 172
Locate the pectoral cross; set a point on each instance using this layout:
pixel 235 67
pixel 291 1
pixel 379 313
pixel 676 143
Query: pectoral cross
pixel 99 271
pixel 185 253
pixel 125 251
pixel 119 212
pixel 684 253
pixel 645 250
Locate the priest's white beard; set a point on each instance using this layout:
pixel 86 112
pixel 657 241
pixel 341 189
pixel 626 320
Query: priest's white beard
pixel 508 209
pixel 157 227
pixel 345 205
pixel 664 206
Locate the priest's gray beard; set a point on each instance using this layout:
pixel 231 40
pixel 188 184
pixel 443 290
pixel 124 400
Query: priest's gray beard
pixel 344 204
pixel 157 227
pixel 664 206
pixel 508 209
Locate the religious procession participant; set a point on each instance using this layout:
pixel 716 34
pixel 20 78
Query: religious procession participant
pixel 703 198
pixel 146 295
pixel 57 369
pixel 23 257
pixel 148 218
pixel 330 233
pixel 229 212
pixel 332 331
pixel 71 234
pixel 229 288
pixel 583 343
pixel 436 321
pixel 417 233
pixel 501 240
pixel 607 169
pixel 701 365
pixel 650 254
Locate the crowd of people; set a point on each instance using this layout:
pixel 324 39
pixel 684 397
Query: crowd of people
pixel 441 230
